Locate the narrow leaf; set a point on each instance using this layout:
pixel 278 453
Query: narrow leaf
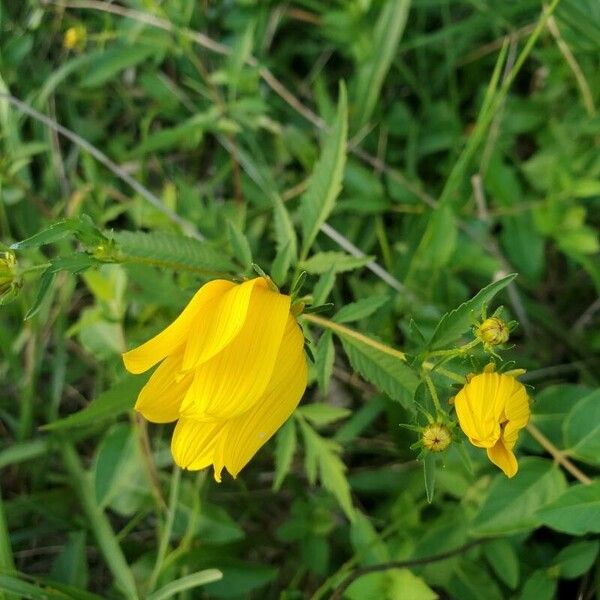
pixel 326 180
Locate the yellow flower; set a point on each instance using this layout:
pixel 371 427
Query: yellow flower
pixel 233 370
pixel 491 409
pixel 74 37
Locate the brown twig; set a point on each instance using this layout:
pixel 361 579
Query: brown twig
pixel 400 564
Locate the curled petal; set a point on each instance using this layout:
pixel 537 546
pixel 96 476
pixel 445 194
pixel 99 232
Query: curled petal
pixel 231 382
pixel 221 323
pixel 160 399
pixel 143 357
pixel 193 443
pixel 504 458
pixel 248 432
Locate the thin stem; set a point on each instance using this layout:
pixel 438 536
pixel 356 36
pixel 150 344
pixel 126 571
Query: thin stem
pixel 400 564
pixel 557 454
pixel 7 564
pixel 346 331
pixel 166 533
pixel 433 392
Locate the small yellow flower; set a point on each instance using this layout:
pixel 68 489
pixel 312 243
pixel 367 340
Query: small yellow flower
pixel 436 437
pixel 492 408
pixel 233 370
pixel 74 37
pixel 493 331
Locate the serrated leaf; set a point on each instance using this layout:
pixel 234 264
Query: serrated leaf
pixel 458 321
pixel 326 180
pixel 324 454
pixel 172 251
pixel 284 230
pixel 324 359
pixel 338 262
pixel 322 414
pixel 239 244
pixel 360 309
pixel 55 232
pixel 285 449
pixel 388 373
pixel 115 401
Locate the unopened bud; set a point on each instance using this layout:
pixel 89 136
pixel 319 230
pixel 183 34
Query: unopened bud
pixel 74 37
pixel 493 331
pixel 436 437
pixel 8 264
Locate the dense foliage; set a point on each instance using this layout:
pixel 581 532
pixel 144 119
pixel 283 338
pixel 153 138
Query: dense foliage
pixel 400 160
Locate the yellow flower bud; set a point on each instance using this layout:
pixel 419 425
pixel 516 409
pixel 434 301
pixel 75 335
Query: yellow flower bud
pixel 74 37
pixel 232 370
pixel 493 331
pixel 436 437
pixel 8 274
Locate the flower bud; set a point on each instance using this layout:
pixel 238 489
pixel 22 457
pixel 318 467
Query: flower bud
pixel 74 37
pixel 436 437
pixel 493 331
pixel 8 275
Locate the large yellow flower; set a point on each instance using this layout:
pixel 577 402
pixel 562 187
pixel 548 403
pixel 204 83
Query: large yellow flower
pixel 491 410
pixel 233 370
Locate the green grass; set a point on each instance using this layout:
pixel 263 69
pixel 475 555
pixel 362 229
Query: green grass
pixel 405 155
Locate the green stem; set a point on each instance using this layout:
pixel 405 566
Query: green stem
pixel 454 351
pixel 166 533
pixel 99 523
pixel 433 392
pixel 7 564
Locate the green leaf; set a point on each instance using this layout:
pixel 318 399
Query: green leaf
pixel 581 429
pixel 109 63
pixel 44 285
pixel 501 556
pixel 388 373
pixel 429 475
pixel 512 505
pixel 324 286
pixel 326 180
pixel 337 262
pixel 115 401
pixel 284 230
pixel 55 232
pixel 43 589
pixel 173 251
pixel 576 511
pixel 540 586
pixel 360 309
pixel 324 359
pixel 458 321
pixel 321 414
pixel 576 559
pixel 240 245
pixel 281 265
pixel 285 449
pixel 324 454
pixel 372 73
pixel 188 582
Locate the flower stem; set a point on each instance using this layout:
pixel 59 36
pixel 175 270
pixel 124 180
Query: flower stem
pixel 343 330
pixel 166 533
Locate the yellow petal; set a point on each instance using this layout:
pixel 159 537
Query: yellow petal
pixel 231 382
pixel 479 409
pixel 248 432
pixel 211 332
pixel 193 443
pixel 161 397
pixel 143 357
pixel 517 412
pixel 504 458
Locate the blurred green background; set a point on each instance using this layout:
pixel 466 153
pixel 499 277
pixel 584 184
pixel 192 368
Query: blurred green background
pixel 473 151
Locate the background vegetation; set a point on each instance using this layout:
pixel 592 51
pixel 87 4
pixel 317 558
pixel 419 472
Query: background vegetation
pixel 468 149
